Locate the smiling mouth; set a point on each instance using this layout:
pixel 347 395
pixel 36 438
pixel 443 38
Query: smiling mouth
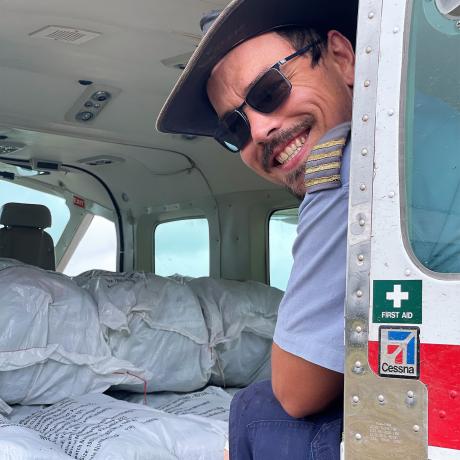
pixel 291 150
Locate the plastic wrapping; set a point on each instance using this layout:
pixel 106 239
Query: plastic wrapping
pixel 51 343
pixel 212 402
pixel 98 427
pixel 20 443
pixel 6 262
pixel 156 323
pixel 241 319
pixel 19 412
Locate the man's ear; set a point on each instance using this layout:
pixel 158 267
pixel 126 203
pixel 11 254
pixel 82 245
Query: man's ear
pixel 341 52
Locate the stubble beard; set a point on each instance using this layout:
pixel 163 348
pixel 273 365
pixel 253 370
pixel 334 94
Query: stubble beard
pixel 294 183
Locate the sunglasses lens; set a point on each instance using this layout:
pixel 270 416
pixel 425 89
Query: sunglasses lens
pixel 269 92
pixel 233 131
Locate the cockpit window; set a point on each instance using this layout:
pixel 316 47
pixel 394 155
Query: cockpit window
pixel 432 139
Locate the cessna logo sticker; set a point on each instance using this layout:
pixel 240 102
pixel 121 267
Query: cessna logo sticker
pixel 397 301
pixel 399 351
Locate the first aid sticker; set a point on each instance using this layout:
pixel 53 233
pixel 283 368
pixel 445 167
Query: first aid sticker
pixel 397 301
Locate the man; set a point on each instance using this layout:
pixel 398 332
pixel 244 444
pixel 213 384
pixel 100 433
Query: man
pixel 274 81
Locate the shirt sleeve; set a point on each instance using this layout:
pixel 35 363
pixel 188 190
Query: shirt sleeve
pixel 311 315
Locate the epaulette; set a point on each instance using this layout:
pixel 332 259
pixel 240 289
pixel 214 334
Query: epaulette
pixel 322 169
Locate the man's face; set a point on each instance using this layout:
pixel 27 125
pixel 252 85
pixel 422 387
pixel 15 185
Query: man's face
pixel 320 99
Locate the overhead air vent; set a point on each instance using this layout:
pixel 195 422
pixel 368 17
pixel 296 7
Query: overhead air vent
pixel 101 160
pixel 65 34
pixel 7 147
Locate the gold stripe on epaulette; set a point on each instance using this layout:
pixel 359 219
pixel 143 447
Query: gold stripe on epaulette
pixel 322 156
pixel 322 180
pixel 332 143
pixel 324 167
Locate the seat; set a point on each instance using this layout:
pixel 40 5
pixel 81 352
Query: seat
pixel 23 237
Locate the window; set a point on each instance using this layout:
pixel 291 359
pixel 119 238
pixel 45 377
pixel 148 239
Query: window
pixel 97 248
pixel 282 231
pixel 432 156
pixel 182 247
pixel 60 214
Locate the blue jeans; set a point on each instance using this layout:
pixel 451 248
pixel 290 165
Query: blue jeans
pixel 260 429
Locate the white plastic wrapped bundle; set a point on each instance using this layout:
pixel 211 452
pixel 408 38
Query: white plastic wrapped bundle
pixel 212 402
pixel 156 323
pixel 6 262
pixel 21 443
pixel 19 412
pixel 51 344
pixel 241 319
pixel 98 427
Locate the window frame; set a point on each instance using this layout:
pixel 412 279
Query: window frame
pixel 405 100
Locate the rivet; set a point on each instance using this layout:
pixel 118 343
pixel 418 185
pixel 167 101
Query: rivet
pixel 407 272
pixel 359 329
pixel 359 293
pixel 381 398
pixel 391 194
pixel 442 414
pixel 357 368
pixel 364 152
pixel 360 257
pixel 355 399
pixel 410 394
pixel 358 437
pixel 371 15
pixel 362 222
pixel 367 83
pixel 365 118
pixel 368 50
pixel 396 30
pixel 453 394
pixel 362 187
pixel 391 112
pixel 416 428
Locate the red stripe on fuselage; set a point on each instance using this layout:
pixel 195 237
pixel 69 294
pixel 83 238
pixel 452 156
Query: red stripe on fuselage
pixel 440 372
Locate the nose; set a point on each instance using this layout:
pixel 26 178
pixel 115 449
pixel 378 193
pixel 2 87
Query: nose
pixel 263 125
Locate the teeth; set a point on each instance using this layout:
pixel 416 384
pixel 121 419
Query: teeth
pixel 282 157
pixel 291 150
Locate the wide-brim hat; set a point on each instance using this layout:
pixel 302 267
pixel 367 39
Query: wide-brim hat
pixel 187 109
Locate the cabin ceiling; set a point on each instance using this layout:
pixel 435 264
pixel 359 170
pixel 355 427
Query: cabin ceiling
pixel 40 85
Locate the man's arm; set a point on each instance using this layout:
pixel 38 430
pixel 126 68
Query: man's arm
pixel 301 387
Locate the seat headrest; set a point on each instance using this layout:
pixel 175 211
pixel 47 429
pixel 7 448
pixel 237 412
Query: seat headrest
pixel 25 215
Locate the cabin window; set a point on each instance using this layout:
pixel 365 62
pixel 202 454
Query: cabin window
pixel 182 247
pixel 97 248
pixel 282 231
pixel 432 139
pixel 60 214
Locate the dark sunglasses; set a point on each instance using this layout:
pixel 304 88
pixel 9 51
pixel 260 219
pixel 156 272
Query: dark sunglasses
pixel 265 95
